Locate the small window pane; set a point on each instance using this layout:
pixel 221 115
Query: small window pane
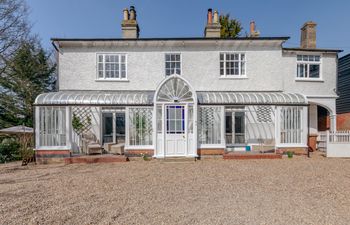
pixel 314 71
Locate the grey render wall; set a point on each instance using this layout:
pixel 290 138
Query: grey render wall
pixel 268 69
pixel 343 102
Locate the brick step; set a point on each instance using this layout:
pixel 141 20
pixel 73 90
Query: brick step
pixel 177 159
pixel 96 159
pixel 251 156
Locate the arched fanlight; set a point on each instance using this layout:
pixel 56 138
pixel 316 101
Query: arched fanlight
pixel 175 90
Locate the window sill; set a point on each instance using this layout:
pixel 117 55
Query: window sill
pixel 309 80
pixel 233 77
pixel 111 80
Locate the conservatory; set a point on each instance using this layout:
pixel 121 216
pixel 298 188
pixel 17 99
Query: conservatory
pixel 173 120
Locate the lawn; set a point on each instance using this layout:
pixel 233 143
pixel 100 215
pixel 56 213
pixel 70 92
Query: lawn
pixel 286 191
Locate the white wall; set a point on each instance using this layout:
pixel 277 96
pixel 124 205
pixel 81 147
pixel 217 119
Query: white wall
pixel 267 68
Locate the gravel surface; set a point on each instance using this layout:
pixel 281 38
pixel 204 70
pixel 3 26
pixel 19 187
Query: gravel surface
pixel 287 191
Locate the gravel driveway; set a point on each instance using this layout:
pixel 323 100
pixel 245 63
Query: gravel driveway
pixel 287 191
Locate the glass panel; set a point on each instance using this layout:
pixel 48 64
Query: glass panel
pixel 291 124
pixel 167 57
pixel 242 68
pixel 140 126
pixel 190 119
pixel 239 128
pixel 107 119
pixel 120 127
pixel 159 119
pixel 174 90
pixel 52 129
pixel 314 71
pixel 210 125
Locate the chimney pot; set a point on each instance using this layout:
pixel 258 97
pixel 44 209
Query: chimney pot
pixel 132 13
pixel 253 31
pixel 125 14
pixel 216 17
pixel 308 35
pixel 252 27
pixel 210 16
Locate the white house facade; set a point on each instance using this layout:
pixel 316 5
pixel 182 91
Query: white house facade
pixel 186 97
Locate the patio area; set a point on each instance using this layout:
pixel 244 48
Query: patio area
pixel 287 191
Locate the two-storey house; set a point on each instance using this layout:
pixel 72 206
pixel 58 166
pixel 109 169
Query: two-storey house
pixel 185 97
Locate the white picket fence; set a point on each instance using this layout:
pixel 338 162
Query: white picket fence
pixel 334 143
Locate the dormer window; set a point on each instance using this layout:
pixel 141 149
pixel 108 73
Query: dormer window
pixel 172 64
pixel 232 64
pixel 111 66
pixel 308 66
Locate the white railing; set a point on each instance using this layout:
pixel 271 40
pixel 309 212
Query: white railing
pixel 322 141
pixel 338 143
pixel 340 136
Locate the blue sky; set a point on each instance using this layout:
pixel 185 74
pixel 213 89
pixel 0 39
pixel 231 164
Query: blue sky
pixel 187 18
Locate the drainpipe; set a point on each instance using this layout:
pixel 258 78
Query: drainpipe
pixel 308 130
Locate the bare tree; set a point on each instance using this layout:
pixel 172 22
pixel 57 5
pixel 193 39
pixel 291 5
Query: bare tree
pixel 13 28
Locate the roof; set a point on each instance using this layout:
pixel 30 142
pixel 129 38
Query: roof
pixel 251 98
pixel 169 39
pixel 17 130
pixel 146 98
pixel 313 50
pixel 95 98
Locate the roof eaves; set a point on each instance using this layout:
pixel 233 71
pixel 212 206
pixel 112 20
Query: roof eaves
pixel 312 50
pixel 171 39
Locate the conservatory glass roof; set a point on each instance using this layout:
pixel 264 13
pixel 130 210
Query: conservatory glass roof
pixel 96 98
pixel 250 98
pixel 146 98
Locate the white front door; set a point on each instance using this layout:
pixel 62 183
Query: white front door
pixel 175 130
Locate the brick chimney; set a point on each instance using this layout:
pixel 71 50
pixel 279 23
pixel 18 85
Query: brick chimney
pixel 213 27
pixel 130 28
pixel 308 35
pixel 253 31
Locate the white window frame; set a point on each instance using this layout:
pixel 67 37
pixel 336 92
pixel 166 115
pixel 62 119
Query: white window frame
pixel 222 143
pixel 104 71
pixel 128 145
pixel 172 53
pixel 232 76
pixel 308 63
pixel 38 125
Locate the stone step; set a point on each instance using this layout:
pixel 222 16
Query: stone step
pixel 177 159
pixel 252 156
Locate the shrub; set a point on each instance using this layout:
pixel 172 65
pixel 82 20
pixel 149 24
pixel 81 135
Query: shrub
pixel 9 150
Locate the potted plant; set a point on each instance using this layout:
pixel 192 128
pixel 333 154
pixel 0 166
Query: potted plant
pixel 290 154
